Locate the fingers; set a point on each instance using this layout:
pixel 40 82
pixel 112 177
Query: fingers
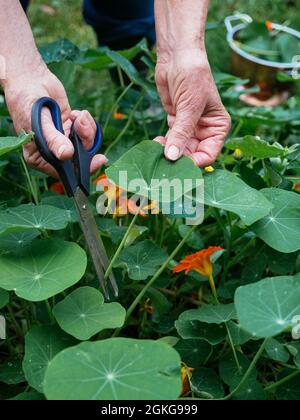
pixel 58 143
pixel 97 162
pixel 182 131
pixel 208 151
pixel 85 127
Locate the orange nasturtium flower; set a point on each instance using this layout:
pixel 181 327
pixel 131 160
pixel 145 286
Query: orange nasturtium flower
pixel 119 116
pixel 118 201
pixel 269 25
pixel 297 187
pixel 58 187
pixel 201 263
pixel 186 373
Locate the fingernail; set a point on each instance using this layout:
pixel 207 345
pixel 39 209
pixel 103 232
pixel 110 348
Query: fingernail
pixel 173 153
pixel 61 150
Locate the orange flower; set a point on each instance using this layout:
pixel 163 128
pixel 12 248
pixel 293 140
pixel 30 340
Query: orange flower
pixel 119 116
pixel 269 25
pixel 297 187
pixel 186 373
pixel 200 262
pixel 118 201
pixel 58 187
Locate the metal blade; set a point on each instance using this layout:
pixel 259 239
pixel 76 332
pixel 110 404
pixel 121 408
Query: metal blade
pixel 94 241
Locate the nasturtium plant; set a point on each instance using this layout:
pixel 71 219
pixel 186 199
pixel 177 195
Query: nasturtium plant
pixel 83 313
pixel 114 369
pixel 45 269
pixel 187 322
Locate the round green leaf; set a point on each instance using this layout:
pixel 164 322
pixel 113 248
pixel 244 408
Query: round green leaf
pixel 254 146
pixel 142 260
pixel 193 352
pixel 289 391
pixel 211 314
pixel 146 162
pixel 41 345
pixel 11 372
pixel 230 373
pixel 206 383
pixel 277 351
pixel 250 391
pixel 212 333
pixel 83 313
pixel 225 190
pixel 4 298
pixel 9 144
pixel 281 228
pixel 64 203
pixel 45 269
pixel 17 241
pixel 267 308
pixel 115 369
pixel 29 216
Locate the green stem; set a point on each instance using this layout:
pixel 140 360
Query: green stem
pixel 233 347
pixel 249 371
pixel 129 121
pixel 140 296
pixel 282 381
pixel 29 180
pixel 121 246
pixel 115 105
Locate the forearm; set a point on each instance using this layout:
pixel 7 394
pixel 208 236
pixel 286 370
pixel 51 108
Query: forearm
pixel 180 24
pixel 18 53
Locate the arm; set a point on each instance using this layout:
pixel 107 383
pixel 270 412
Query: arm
pixel 198 122
pixel 25 78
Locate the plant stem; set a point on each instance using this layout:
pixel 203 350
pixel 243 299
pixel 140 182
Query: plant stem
pixel 154 278
pixel 249 371
pixel 115 105
pixel 129 121
pixel 121 246
pixel 233 347
pixel 30 184
pixel 282 381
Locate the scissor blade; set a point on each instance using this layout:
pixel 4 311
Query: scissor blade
pixel 94 241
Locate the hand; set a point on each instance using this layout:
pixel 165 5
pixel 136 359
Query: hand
pixel 198 122
pixel 22 92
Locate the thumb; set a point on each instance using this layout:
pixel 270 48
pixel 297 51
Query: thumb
pixel 181 132
pixel 58 143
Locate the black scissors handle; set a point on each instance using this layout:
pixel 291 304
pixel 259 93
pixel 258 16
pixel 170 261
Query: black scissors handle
pixel 73 173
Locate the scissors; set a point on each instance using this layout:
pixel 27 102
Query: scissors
pixel 75 175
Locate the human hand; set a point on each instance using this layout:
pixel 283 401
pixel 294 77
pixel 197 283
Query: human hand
pixel 22 92
pixel 198 122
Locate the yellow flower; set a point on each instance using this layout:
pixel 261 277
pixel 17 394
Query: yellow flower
pixel 209 169
pixel 238 154
pixel 186 373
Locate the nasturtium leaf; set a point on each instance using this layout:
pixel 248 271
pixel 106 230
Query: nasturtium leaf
pixel 227 191
pixel 253 146
pixel 230 373
pixel 41 345
pixel 280 263
pixel 158 301
pixel 195 241
pixel 83 313
pixel 115 369
pixel 16 241
pixel 280 229
pixel 4 298
pixel 289 391
pixel 63 203
pixel 206 384
pixel 11 372
pixel 45 269
pixel 61 50
pixel 194 352
pixel 109 228
pixel 212 333
pixel 267 308
pixel 147 170
pixel 134 234
pixel 238 334
pixel 9 144
pixel 250 391
pixel 142 260
pixel 29 216
pixel 277 351
pixel 211 314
